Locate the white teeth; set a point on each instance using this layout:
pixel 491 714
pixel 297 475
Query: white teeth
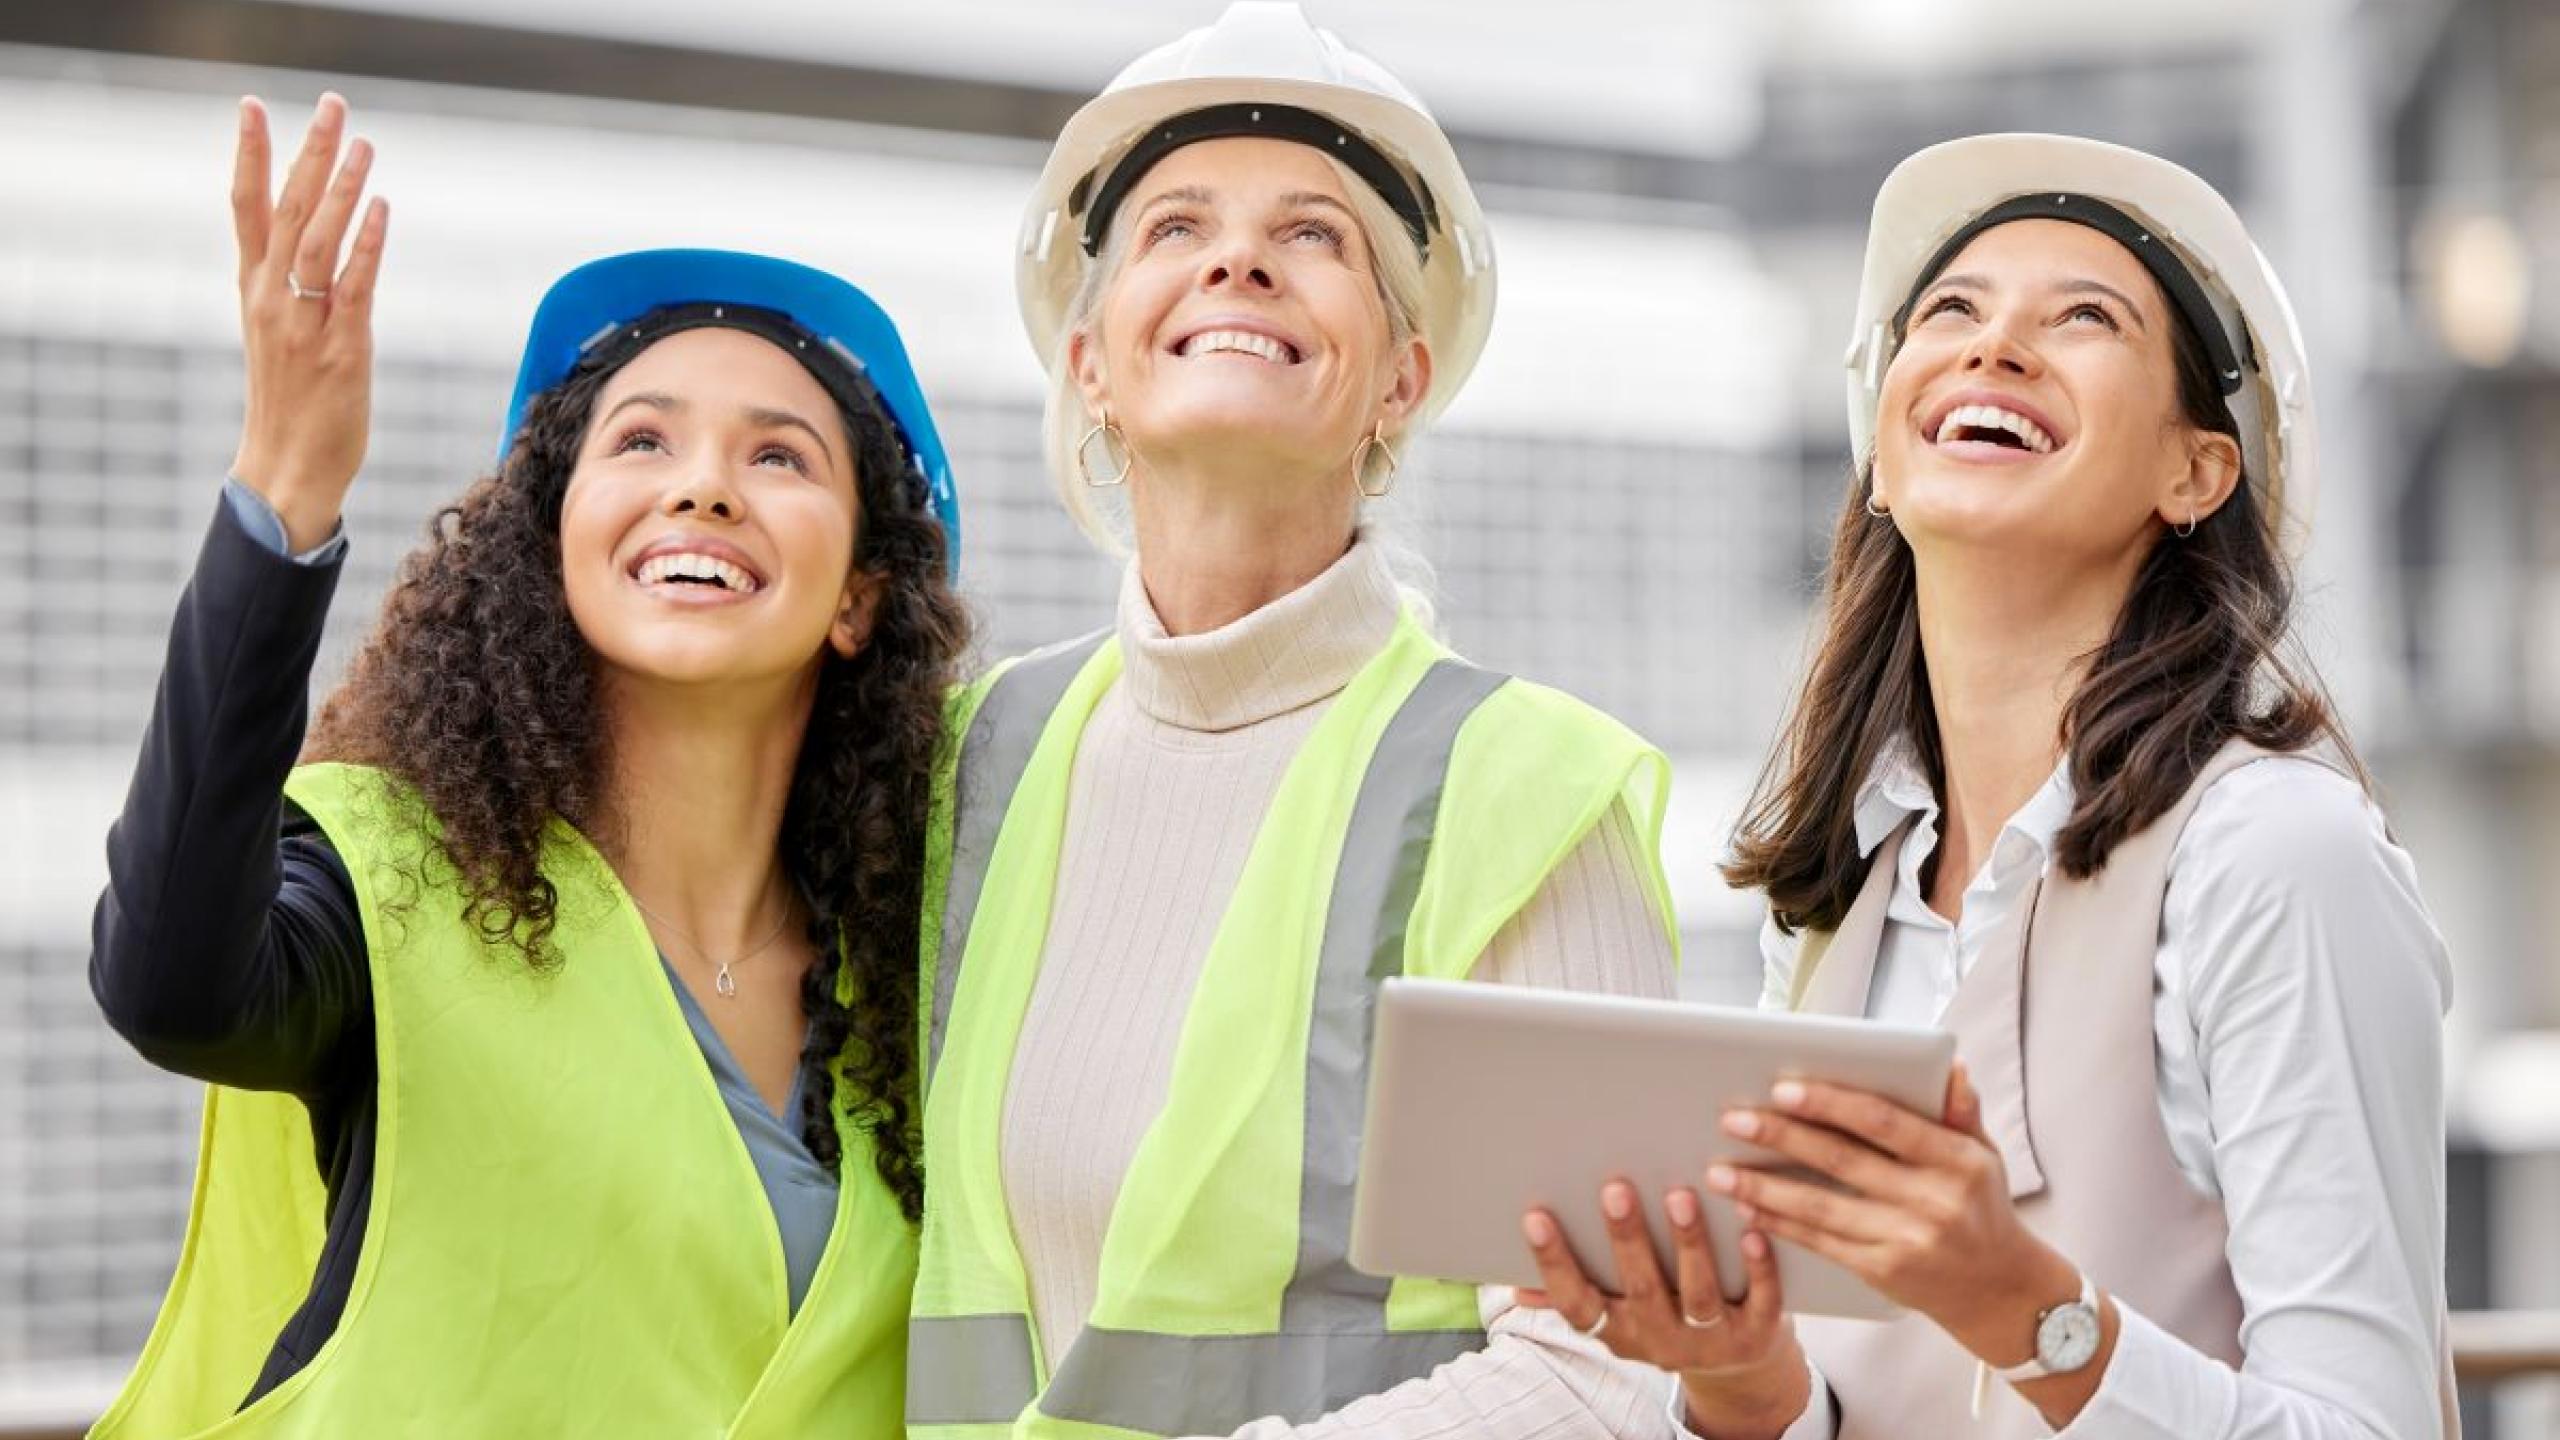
pixel 1263 346
pixel 1992 417
pixel 688 565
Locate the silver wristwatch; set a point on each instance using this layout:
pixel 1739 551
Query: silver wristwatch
pixel 2067 1338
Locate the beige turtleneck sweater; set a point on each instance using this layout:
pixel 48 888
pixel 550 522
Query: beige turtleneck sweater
pixel 1176 769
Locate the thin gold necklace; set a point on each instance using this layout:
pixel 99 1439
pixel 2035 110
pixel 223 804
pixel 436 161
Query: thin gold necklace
pixel 723 982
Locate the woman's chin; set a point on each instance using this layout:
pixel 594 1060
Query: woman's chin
pixel 1973 521
pixel 701 663
pixel 1257 424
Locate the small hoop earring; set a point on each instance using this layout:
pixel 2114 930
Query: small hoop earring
pixel 1110 436
pixel 2183 531
pixel 1878 511
pixel 1375 442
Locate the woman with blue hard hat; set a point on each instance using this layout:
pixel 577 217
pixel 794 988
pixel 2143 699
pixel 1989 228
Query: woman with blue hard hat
pixel 557 1008
pixel 1182 855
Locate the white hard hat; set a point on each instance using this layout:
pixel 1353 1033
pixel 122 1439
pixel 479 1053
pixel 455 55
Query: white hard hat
pixel 2181 228
pixel 1263 69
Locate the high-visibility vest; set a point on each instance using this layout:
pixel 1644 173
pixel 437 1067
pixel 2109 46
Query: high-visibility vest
pixel 566 1235
pixel 1424 810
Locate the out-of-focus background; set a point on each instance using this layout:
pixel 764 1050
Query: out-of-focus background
pixel 1629 500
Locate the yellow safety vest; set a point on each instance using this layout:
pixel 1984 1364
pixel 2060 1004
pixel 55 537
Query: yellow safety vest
pixel 1425 809
pixel 566 1238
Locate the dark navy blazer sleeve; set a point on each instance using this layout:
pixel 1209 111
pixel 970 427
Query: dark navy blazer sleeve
pixel 227 945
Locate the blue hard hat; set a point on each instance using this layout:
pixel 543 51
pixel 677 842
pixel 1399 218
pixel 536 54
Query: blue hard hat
pixel 599 301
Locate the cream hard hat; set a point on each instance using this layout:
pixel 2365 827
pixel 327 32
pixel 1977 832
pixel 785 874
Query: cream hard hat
pixel 2179 227
pixel 1263 69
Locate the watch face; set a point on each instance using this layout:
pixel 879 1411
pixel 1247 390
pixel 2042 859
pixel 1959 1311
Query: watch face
pixel 2067 1338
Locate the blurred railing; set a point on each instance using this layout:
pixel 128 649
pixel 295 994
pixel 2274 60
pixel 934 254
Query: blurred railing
pixel 2489 1347
pixel 2494 1345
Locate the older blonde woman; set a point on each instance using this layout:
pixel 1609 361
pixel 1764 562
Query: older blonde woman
pixel 1182 853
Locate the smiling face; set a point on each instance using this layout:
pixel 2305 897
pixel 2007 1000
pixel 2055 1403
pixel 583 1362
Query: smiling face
pixel 707 533
pixel 2034 405
pixel 1244 326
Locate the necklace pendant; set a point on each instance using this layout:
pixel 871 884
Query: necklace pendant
pixel 724 983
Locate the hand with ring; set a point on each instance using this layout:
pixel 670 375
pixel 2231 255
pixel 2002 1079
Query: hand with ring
pixel 306 322
pixel 1741 1371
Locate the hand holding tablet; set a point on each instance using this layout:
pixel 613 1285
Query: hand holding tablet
pixel 1738 1362
pixel 1487 1102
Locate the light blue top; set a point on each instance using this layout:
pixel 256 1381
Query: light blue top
pixel 800 1190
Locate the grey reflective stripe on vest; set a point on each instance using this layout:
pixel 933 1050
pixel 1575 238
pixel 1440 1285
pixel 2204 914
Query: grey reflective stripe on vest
pixel 1210 1384
pixel 1374 885
pixel 993 755
pixel 1334 1346
pixel 968 1369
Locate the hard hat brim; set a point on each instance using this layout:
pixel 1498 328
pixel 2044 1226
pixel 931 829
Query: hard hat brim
pixel 585 306
pixel 1458 275
pixel 1938 192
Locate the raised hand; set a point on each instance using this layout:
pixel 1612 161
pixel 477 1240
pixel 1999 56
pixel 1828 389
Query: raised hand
pixel 306 322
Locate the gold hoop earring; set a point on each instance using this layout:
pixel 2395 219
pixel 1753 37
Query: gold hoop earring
pixel 1110 436
pixel 1375 442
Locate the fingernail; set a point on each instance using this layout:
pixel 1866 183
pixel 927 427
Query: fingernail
pixel 1742 1123
pixel 1539 1229
pixel 1788 1093
pixel 1682 1207
pixel 1755 1245
pixel 1721 1179
pixel 1616 1202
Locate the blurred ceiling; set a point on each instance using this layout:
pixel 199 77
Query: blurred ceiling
pixel 1919 37
pixel 1682 73
pixel 1685 76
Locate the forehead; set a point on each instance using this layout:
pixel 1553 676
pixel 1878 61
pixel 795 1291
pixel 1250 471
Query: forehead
pixel 2041 254
pixel 720 367
pixel 1242 167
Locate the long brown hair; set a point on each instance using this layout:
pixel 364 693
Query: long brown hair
pixel 477 689
pixel 2197 659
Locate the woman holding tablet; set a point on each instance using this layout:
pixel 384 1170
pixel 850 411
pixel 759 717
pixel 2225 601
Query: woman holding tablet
pixel 2053 785
pixel 1184 853
pixel 558 1010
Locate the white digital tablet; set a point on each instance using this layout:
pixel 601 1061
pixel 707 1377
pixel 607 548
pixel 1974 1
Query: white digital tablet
pixel 1486 1100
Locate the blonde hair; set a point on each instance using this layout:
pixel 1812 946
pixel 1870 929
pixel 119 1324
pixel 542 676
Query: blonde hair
pixel 1395 263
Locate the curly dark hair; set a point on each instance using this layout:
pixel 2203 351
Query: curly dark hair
pixel 477 688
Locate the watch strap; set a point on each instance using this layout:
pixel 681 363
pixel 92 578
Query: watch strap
pixel 2032 1368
